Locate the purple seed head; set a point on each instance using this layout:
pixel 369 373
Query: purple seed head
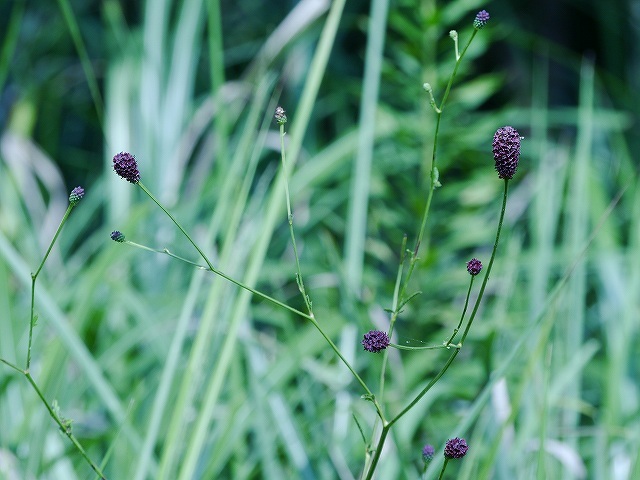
pixel 280 116
pixel 455 448
pixel 481 19
pixel 474 266
pixel 117 236
pixel 428 452
pixel 375 341
pixel 506 151
pixel 126 166
pixel 76 195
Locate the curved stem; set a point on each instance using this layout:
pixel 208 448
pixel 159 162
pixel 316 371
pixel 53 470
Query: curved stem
pixel 444 467
pixel 378 451
pixel 214 269
pixel 309 317
pixel 473 314
pixel 34 276
pixel 299 281
pixel 464 311
pixel 434 174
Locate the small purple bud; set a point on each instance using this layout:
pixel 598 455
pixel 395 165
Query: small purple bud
pixel 375 341
pixel 76 195
pixel 117 236
pixel 427 453
pixel 474 266
pixel 280 116
pixel 506 151
pixel 455 448
pixel 481 19
pixel 126 166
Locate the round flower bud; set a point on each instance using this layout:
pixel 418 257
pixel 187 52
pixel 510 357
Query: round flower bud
pixel 76 195
pixel 126 166
pixel 481 19
pixel 117 236
pixel 427 453
pixel 506 151
pixel 375 341
pixel 280 116
pixel 455 448
pixel 474 266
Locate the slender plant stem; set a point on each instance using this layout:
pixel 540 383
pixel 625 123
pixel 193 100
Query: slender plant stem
pixel 434 174
pixel 64 427
pixel 299 280
pixel 215 270
pixel 309 317
pixel 378 451
pixel 34 277
pixel 490 266
pixel 444 467
pixel 471 318
pixel 464 311
pixel 427 347
pixel 401 299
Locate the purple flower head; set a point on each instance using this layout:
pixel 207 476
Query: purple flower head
pixel 474 266
pixel 481 19
pixel 76 195
pixel 427 453
pixel 117 236
pixel 506 151
pixel 375 341
pixel 280 116
pixel 455 448
pixel 126 166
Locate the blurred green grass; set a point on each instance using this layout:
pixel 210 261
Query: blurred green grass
pixel 169 373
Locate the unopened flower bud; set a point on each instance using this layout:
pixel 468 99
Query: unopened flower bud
pixel 506 151
pixel 76 195
pixel 126 166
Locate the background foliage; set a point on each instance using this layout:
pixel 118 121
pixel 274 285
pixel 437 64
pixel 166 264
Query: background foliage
pixel 170 373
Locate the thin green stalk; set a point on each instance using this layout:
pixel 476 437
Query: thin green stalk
pixel 473 314
pixel 444 467
pixel 395 312
pixel 76 36
pixel 261 295
pixel 215 270
pixel 401 298
pixel 464 311
pixel 490 266
pixel 434 174
pixel 65 427
pixel 378 451
pixel 34 277
pixel 299 280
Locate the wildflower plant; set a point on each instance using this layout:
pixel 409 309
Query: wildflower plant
pixel 506 150
pixel 64 424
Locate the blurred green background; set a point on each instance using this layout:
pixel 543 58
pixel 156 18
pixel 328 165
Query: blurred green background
pixel 171 373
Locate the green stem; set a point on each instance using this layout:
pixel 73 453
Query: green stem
pixel 299 280
pixel 215 270
pixel 464 311
pixel 490 266
pixel 434 175
pixel 378 451
pixel 309 317
pixel 430 347
pixel 401 298
pixel 34 276
pixel 473 314
pixel 444 467
pixel 64 428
